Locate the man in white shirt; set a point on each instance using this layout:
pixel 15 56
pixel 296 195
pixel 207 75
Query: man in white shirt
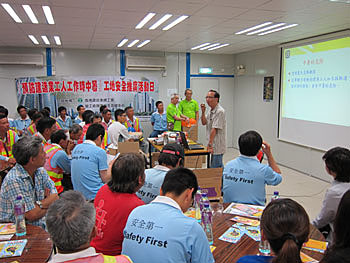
pixel 106 118
pixel 117 131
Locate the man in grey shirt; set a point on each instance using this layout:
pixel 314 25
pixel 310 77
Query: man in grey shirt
pixel 215 121
pixel 337 162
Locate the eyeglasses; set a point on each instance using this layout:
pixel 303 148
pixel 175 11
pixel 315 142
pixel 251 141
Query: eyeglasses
pixel 209 97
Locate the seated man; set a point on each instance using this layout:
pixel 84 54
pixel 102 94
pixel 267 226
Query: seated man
pixel 79 118
pixel 133 125
pixel 158 120
pixel 171 156
pixel 106 118
pixel 244 178
pixel 117 131
pixel 71 225
pixel 45 127
pixel 31 130
pixel 63 120
pixel 23 122
pixel 89 163
pixel 164 233
pixel 75 133
pixel 8 139
pixel 58 161
pixel 29 179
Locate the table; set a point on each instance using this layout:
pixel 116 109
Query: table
pixel 229 252
pixel 187 152
pixel 38 248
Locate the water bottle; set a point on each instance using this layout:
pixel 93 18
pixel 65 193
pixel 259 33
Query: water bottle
pixel 206 223
pixel 206 199
pixel 197 204
pixel 19 215
pixel 275 196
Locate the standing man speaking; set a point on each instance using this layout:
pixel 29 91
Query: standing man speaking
pixel 215 121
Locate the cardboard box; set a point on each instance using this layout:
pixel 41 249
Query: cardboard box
pixel 193 161
pixel 192 132
pixel 128 147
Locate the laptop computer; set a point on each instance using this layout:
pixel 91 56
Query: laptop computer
pixel 189 146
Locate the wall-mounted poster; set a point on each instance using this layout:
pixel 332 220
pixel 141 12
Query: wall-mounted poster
pixel 268 89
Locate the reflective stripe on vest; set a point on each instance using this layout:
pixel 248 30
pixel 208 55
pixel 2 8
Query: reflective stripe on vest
pixel 31 129
pixel 56 174
pixel 102 259
pixel 129 124
pixel 104 143
pixel 10 141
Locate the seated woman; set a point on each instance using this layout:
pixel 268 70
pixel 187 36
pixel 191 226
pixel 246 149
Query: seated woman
pixel 115 200
pixel 339 250
pixel 285 225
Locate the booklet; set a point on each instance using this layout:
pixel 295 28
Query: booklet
pixel 6 229
pixel 244 210
pixel 316 245
pixel 232 235
pixel 12 248
pixel 307 259
pixel 246 221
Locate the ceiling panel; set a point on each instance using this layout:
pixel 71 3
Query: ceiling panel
pixel 176 7
pixel 221 11
pixel 244 4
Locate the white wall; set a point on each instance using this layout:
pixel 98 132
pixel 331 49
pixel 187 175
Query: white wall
pixel 250 112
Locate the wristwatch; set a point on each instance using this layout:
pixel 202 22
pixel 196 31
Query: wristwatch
pixel 39 204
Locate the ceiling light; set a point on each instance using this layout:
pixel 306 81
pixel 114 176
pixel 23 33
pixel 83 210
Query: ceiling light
pixel 210 46
pixel 160 21
pixel 30 14
pixel 199 46
pixel 33 39
pixel 57 40
pixel 253 28
pixel 144 43
pixel 224 45
pixel 122 42
pixel 46 40
pixel 48 15
pixel 133 43
pixel 265 29
pixel 175 22
pixel 277 29
pixel 145 20
pixel 11 12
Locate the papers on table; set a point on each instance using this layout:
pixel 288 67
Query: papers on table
pixel 8 228
pixel 235 232
pixel 246 221
pixel 245 210
pixel 316 245
pixel 307 259
pixel 12 248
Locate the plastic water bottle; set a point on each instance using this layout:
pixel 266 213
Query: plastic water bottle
pixel 275 196
pixel 205 199
pixel 19 215
pixel 206 223
pixel 197 204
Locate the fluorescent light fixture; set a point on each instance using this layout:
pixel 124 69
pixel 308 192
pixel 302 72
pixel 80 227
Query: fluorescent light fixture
pixel 133 43
pixel 30 14
pixel 144 43
pixel 213 48
pixel 277 29
pixel 11 12
pixel 253 28
pixel 201 45
pixel 33 39
pixel 160 21
pixel 122 42
pixel 175 22
pixel 210 46
pixel 266 28
pixel 48 14
pixel 46 40
pixel 145 20
pixel 57 40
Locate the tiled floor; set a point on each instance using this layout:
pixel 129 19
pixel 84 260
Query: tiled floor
pixel 306 190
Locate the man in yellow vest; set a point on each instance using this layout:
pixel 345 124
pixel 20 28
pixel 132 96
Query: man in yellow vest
pixel 133 125
pixel 8 138
pixel 45 127
pixel 31 130
pixel 58 161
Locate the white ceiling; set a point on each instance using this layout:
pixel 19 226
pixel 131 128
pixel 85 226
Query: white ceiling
pixel 101 24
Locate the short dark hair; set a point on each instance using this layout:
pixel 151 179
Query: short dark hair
pixel 57 136
pixel 159 102
pixel 127 108
pixel 31 112
pixel 87 116
pixel 48 109
pixel 105 111
pixel 177 180
pixel 79 107
pixel 95 116
pixel 2 116
pixel 250 143
pixel 20 107
pixel 4 111
pixel 45 113
pixel 216 94
pixel 338 161
pixel 75 128
pixel 45 123
pixel 94 131
pixel 36 116
pixel 61 108
pixel 171 153
pixel 102 107
pixel 126 170
pixel 187 90
pixel 117 113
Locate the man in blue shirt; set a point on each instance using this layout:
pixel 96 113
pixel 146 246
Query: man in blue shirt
pixel 158 120
pixel 63 120
pixel 244 178
pixel 89 163
pixel 160 232
pixel 23 122
pixel 171 156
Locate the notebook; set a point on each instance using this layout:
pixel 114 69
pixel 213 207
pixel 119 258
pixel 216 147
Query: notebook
pixel 191 146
